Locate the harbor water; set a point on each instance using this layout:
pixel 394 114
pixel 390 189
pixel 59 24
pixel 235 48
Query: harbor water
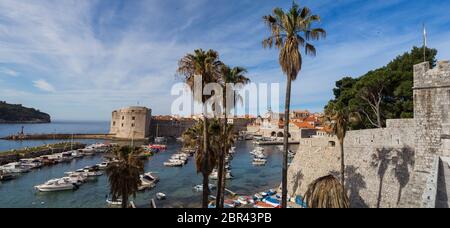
pixel 176 183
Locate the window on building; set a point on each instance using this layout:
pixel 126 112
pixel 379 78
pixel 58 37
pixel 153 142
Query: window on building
pixel 123 117
pixel 133 118
pixel 122 125
pixel 114 123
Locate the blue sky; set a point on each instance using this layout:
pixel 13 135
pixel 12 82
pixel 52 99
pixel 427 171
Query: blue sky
pixel 80 59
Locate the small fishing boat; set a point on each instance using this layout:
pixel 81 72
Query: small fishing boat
pixel 257 196
pixel 199 187
pixel 259 162
pixel 150 176
pixel 215 175
pixel 75 154
pixel 262 205
pixel 229 204
pixel 103 165
pixel 212 205
pixel 271 201
pixel 271 192
pixel 114 203
pixel 160 196
pixel 245 200
pixel 174 163
pixel 160 140
pixel 6 176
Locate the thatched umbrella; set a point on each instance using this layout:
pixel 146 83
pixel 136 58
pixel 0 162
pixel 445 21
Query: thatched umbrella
pixel 326 192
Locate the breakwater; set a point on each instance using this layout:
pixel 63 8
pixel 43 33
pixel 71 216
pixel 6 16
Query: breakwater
pixel 58 136
pixel 16 155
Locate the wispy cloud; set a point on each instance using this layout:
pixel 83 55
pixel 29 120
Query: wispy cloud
pixel 43 85
pixel 8 72
pixel 100 55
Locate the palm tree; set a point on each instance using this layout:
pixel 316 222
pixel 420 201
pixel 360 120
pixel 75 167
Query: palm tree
pixel 124 174
pixel 326 192
pixel 207 65
pixel 205 160
pixel 339 118
pixel 228 76
pixel 291 31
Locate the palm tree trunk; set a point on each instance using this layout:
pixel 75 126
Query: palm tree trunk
pixel 286 144
pixel 124 201
pixel 341 142
pixel 219 182
pixel 220 175
pixel 205 162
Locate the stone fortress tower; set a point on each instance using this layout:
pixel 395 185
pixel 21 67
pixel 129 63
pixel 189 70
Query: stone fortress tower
pixel 406 164
pixel 432 131
pixel 131 123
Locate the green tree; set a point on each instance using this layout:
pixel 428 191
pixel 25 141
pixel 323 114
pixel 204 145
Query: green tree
pixel 233 76
pixel 338 118
pixel 383 93
pixel 290 31
pixel 207 65
pixel 124 174
pixel 206 160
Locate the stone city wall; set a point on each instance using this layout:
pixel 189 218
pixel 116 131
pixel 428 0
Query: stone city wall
pixel 378 162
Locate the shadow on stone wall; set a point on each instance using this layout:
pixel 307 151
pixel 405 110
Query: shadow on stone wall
pixel 298 177
pixel 354 183
pixel 401 160
pixel 401 163
pixel 442 194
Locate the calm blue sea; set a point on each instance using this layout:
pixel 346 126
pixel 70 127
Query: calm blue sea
pixel 177 183
pixel 62 127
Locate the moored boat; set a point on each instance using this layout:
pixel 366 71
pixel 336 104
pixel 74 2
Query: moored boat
pixel 6 176
pixel 55 185
pixel 160 196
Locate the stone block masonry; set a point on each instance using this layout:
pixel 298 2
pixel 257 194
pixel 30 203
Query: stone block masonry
pixel 398 166
pixel 378 164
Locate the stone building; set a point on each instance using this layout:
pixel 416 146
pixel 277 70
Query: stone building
pixel 406 164
pixel 131 123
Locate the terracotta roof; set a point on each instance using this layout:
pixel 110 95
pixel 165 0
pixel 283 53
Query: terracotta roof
pixel 304 125
pixel 310 119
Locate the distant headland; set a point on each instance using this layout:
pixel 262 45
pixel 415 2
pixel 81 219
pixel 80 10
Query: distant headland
pixel 16 113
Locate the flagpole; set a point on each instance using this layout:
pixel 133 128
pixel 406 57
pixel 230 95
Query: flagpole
pixel 424 43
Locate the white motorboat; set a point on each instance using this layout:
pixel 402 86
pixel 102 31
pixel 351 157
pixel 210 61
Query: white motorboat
pixel 160 196
pixel 14 168
pixel 260 156
pixel 259 162
pixel 114 203
pixel 174 163
pixel 151 177
pixel 215 175
pixel 199 187
pixel 30 163
pixel 160 140
pixel 55 185
pixel 146 184
pixel 77 178
pixel 6 176
pixel 103 165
